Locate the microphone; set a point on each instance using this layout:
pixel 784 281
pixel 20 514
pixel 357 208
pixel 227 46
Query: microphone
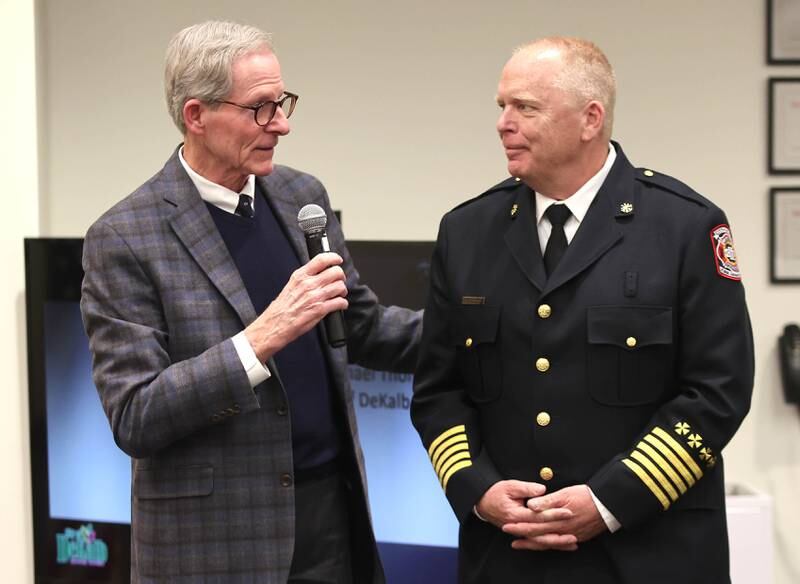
pixel 312 221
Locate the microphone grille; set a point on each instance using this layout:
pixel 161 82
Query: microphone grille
pixel 311 218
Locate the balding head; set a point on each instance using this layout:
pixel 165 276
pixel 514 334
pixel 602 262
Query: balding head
pixel 583 71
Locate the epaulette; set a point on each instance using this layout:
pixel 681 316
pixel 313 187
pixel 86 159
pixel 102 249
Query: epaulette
pixel 670 184
pixel 509 183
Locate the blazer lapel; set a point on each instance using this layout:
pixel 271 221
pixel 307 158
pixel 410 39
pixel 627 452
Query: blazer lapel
pixel 194 226
pixel 600 229
pixel 522 238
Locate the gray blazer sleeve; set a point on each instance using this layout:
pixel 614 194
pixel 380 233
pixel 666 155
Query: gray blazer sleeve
pixel 150 398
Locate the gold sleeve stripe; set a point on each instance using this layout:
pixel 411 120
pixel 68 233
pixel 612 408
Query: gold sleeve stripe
pixel 648 464
pixel 649 483
pixel 662 448
pixel 444 436
pixel 663 465
pixel 687 458
pixel 451 462
pixel 455 468
pixel 446 454
pixel 442 448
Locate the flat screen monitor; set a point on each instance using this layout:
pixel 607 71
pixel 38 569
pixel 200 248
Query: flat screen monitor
pixel 81 480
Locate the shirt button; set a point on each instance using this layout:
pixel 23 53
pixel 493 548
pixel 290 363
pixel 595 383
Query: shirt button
pixel 543 418
pixel 544 311
pixel 542 364
pixel 631 342
pixel 546 473
pixel 286 480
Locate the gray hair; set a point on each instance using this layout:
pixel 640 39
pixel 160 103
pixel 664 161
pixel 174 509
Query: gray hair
pixel 587 75
pixel 199 62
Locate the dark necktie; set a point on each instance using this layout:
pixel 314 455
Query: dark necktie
pixel 557 244
pixel 245 206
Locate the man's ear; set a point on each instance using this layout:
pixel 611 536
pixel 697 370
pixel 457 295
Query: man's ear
pixel 194 112
pixel 594 117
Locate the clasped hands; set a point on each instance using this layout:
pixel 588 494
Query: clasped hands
pixel 556 521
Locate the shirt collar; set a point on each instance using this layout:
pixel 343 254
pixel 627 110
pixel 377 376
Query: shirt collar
pixel 217 195
pixel 579 202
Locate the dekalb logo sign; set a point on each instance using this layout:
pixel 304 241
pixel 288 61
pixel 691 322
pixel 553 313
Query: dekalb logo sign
pixel 81 547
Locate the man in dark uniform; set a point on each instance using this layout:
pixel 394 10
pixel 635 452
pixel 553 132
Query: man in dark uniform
pixel 586 351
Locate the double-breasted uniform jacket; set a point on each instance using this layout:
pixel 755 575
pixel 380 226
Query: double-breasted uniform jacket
pixel 213 496
pixel 628 369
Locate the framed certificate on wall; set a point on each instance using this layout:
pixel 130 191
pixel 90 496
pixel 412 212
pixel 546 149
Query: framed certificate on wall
pixel 784 235
pixel 784 125
pixel 783 32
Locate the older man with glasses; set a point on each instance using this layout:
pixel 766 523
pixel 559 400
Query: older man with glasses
pixel 201 307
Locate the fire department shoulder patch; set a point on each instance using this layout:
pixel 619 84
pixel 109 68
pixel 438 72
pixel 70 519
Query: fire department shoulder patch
pixel 724 254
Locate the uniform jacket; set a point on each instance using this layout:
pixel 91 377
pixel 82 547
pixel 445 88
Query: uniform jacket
pixel 213 497
pixel 629 369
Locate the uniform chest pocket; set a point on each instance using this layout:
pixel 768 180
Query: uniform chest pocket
pixel 629 354
pixel 475 336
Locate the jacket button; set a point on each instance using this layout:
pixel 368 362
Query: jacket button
pixel 468 342
pixel 286 480
pixel 542 364
pixel 544 311
pixel 281 410
pixel 543 418
pixel 215 418
pixel 631 342
pixel 546 473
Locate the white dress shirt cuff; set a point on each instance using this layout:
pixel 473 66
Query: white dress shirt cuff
pixel 478 515
pixel 257 372
pixel 609 519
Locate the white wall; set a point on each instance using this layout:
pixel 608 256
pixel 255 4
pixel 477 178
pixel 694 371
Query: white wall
pixel 397 118
pixel 20 218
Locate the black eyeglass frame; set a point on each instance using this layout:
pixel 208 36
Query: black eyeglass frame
pixel 276 104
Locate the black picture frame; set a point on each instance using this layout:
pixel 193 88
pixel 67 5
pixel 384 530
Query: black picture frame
pixel 781 49
pixel 784 235
pixel 783 125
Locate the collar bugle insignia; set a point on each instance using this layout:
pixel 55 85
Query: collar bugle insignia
pixel 724 253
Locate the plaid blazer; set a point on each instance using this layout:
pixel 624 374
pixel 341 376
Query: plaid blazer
pixel 161 299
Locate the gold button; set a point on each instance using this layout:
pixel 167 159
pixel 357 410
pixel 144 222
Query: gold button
pixel 546 473
pixel 468 342
pixel 543 418
pixel 648 173
pixel 544 311
pixel 631 342
pixel 542 364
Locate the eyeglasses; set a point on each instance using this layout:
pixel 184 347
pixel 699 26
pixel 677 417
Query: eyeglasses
pixel 264 112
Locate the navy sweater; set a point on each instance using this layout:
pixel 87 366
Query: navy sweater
pixel 266 260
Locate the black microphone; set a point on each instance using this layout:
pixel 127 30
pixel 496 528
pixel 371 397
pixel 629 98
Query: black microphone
pixel 312 221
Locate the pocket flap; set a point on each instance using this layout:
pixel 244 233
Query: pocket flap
pixel 171 483
pixel 630 327
pixel 475 322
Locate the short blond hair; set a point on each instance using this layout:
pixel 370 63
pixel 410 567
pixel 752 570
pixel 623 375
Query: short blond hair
pixel 587 73
pixel 199 62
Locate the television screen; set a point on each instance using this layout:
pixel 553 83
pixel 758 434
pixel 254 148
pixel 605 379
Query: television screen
pixel 81 480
